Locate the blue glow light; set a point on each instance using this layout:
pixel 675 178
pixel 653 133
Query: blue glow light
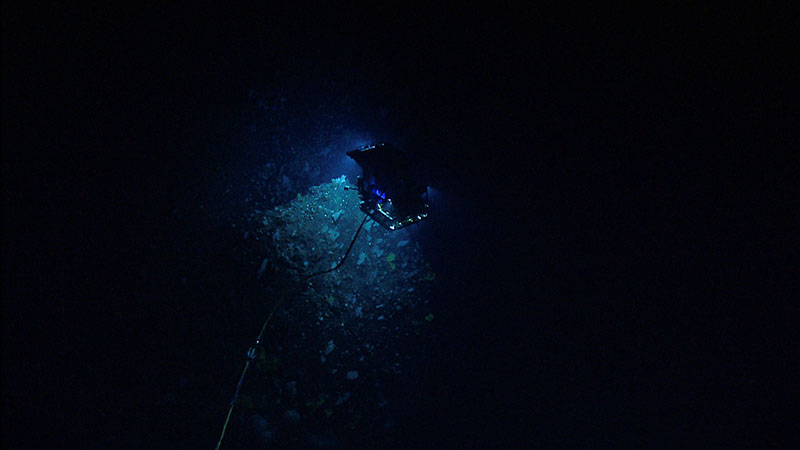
pixel 379 193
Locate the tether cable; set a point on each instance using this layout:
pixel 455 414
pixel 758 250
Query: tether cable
pixel 251 352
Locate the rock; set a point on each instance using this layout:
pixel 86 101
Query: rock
pixel 291 388
pixel 352 375
pixel 343 398
pixel 291 416
pixel 262 428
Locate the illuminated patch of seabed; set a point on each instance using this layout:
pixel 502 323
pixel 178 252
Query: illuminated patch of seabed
pixel 372 317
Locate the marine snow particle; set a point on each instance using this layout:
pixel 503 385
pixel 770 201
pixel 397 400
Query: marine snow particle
pixel 263 268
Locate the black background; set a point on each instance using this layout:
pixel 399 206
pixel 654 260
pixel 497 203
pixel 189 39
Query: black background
pixel 620 269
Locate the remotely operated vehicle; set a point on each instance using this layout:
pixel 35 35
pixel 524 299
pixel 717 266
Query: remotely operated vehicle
pixel 391 189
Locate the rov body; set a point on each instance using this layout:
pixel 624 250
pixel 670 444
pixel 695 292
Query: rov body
pixel 391 191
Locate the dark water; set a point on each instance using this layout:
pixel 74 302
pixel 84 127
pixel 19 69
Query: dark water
pixel 611 240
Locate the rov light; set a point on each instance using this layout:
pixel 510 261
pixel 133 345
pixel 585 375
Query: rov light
pixel 379 193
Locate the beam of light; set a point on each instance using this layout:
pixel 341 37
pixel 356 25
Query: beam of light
pixel 434 196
